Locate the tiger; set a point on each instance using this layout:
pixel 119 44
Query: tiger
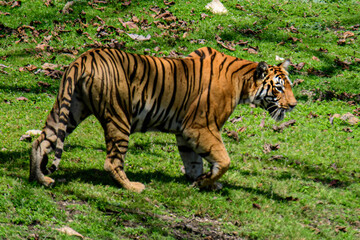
pixel 191 97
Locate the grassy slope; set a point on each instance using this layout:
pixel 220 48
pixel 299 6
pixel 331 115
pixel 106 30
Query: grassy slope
pixel 311 191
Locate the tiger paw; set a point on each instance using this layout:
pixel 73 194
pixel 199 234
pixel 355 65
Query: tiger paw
pixel 48 182
pixel 136 187
pixel 206 185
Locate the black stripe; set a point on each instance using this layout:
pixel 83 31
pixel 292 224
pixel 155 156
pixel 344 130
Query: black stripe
pixel 204 155
pixel 185 149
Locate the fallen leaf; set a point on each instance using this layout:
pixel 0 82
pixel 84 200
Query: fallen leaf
pixel 348 34
pixel 236 119
pixel 16 4
pixel 281 127
pixel 344 64
pixel 251 50
pixel 315 58
pixel 48 3
pixel 54 74
pixel 341 41
pixel 203 16
pixel 232 134
pixel 294 39
pixel 49 66
pixel 350 118
pixel 324 50
pixel 4 13
pixel 268 147
pixel 262 124
pixel 257 206
pixel 298 66
pixel 293 29
pixel 22 99
pixel 43 84
pixel 242 129
pixel 126 3
pixel 242 8
pixel 155 9
pixel 242 43
pixel 25 137
pixel 297 82
pixel 30 67
pixel 130 25
pixel 167 3
pixel 312 115
pixel 69 231
pixel 340 229
pixel 225 44
pixel 139 37
pixel 67 8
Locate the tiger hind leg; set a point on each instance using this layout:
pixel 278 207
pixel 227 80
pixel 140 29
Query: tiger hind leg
pixel 116 146
pixel 41 147
pixel 193 163
pixel 46 142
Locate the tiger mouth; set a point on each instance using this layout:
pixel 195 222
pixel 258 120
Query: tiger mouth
pixel 277 113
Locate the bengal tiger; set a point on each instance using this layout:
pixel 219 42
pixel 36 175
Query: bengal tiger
pixel 191 97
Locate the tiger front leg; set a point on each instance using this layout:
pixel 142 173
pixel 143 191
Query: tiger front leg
pixel 193 163
pixel 209 145
pixel 114 163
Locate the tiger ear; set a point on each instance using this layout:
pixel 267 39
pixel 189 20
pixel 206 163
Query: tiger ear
pixel 285 64
pixel 261 70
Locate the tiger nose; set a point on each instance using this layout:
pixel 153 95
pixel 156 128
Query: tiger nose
pixel 293 104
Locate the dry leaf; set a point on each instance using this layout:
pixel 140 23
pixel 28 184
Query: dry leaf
pixel 16 4
pixel 25 137
pixel 126 3
pixel 139 37
pixel 344 64
pixel 43 84
pixel 257 206
pixel 268 147
pixel 49 66
pixel 262 124
pixel 22 99
pixel 350 118
pixel 341 41
pixel 130 25
pixel 241 129
pixel 315 58
pixel 299 66
pixel 297 82
pixel 232 134
pixel 312 115
pixel 69 231
pixel 283 125
pixel 236 119
pixel 251 50
pixel 348 34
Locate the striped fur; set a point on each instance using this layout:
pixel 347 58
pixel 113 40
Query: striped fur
pixel 190 97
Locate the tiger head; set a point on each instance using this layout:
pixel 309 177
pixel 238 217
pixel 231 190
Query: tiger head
pixel 273 89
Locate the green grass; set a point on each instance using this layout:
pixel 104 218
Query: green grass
pixel 307 189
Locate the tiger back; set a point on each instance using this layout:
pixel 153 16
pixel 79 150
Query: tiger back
pixel 191 97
